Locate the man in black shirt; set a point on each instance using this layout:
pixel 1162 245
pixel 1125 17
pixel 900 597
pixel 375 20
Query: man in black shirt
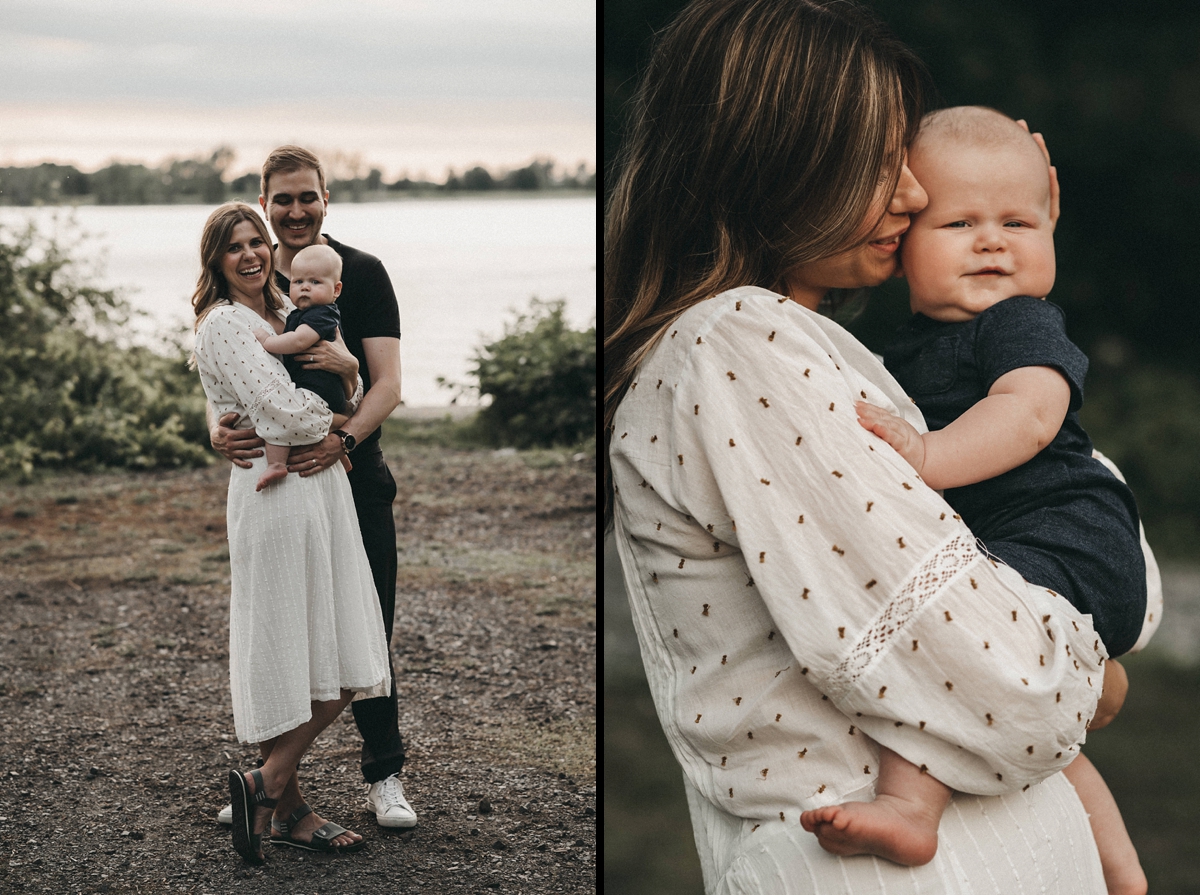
pixel 295 201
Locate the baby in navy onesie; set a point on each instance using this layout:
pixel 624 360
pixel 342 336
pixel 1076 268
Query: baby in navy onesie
pixel 315 286
pixel 988 361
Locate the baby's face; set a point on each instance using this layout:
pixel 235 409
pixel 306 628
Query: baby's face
pixel 313 283
pixel 984 236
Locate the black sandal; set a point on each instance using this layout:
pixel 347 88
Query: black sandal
pixel 246 842
pixel 322 838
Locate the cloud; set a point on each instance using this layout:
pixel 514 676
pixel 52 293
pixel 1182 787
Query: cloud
pixel 211 53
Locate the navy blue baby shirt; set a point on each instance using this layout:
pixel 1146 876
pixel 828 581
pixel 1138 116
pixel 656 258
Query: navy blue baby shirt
pixel 1062 519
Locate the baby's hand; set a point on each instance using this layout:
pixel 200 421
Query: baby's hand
pixel 262 335
pixel 906 440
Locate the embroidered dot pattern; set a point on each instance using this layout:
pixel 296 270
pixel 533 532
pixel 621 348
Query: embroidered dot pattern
pixel 868 551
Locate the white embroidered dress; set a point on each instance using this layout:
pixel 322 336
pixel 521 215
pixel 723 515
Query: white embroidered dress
pixel 304 619
pixel 795 586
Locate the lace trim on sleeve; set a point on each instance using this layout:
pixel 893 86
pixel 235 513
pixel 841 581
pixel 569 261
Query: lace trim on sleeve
pixel 926 582
pixel 261 398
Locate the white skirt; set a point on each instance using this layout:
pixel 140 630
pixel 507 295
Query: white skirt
pixel 304 618
pixel 1037 841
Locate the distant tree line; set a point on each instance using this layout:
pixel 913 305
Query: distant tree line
pixel 204 180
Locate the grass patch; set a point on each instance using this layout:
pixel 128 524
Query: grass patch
pixel 566 746
pixel 443 431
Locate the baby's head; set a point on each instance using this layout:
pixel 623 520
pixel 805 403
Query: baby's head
pixel 316 277
pixel 986 233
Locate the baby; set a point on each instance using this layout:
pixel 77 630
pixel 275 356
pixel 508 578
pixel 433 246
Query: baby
pixel 988 362
pixel 315 286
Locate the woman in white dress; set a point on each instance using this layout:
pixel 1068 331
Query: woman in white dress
pixel 305 632
pixel 798 593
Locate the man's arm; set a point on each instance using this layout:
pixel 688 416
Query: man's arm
pixel 383 364
pixel 1022 413
pixel 235 445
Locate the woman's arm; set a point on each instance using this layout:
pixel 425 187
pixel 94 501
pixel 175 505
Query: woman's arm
pixel 888 607
pixel 1021 415
pixel 227 351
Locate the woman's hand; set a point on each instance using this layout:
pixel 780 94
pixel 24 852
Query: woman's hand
pixel 904 439
pixel 307 459
pixel 1116 685
pixel 1054 189
pixel 235 445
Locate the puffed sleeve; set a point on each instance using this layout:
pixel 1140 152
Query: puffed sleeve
pixel 1027 332
pixel 227 352
pixel 879 589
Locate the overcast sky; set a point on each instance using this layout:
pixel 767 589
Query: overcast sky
pixel 412 86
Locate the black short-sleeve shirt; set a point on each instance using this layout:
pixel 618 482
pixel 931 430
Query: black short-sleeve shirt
pixel 367 304
pixel 1061 519
pixel 325 320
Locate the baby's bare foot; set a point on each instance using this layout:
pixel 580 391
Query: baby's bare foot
pixel 274 473
pixel 901 831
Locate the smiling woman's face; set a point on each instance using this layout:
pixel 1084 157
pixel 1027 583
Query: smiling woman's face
pixel 869 263
pixel 246 262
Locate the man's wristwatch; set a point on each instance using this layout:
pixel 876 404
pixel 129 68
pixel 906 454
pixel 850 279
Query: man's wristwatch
pixel 349 442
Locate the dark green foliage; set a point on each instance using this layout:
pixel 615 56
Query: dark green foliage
pixel 541 377
pixel 44 183
pixel 70 396
pixel 203 180
pixel 1146 418
pixel 478 179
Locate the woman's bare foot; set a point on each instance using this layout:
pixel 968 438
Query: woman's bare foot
pixel 274 473
pixel 303 829
pixel 890 827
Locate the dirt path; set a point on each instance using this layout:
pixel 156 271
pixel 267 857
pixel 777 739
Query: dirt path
pixel 116 733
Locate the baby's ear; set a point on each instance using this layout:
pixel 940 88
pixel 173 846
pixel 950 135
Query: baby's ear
pixel 337 288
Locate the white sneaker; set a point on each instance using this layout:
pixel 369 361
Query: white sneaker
pixel 386 799
pixel 225 816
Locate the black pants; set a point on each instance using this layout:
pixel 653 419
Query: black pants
pixel 378 721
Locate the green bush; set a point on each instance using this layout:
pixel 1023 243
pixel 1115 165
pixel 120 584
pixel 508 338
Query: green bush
pixel 541 378
pixel 70 394
pixel 1146 418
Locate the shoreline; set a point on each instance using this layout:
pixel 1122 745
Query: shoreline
pixel 456 412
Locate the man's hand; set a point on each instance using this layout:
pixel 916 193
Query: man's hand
pixel 307 459
pixel 332 356
pixel 235 445
pixel 897 432
pixel 1116 685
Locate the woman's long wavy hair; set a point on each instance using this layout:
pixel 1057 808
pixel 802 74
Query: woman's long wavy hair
pixel 211 287
pixel 759 134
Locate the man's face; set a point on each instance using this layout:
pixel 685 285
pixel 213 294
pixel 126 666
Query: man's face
pixel 295 207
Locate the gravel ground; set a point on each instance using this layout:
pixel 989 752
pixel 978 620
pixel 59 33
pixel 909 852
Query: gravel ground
pixel 117 733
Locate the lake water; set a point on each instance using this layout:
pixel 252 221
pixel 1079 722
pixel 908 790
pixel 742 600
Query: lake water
pixel 459 266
